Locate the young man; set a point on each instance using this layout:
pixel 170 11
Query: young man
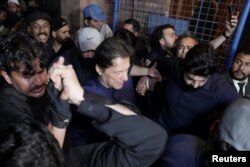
pixel 39 26
pixel 61 41
pixel 192 91
pixel 141 44
pixel 25 93
pixel 162 42
pixel 93 16
pixel 238 75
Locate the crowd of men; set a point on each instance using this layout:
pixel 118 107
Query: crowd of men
pixel 115 99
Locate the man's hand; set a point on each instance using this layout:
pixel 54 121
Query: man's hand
pixel 231 24
pixel 141 86
pixel 154 73
pixel 65 80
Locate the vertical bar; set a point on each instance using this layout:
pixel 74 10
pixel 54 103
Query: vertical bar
pixel 237 35
pixel 116 12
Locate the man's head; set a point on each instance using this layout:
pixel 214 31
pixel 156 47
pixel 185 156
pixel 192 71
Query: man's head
pixel 185 42
pixel 240 69
pixel 163 37
pixel 13 6
pixel 39 26
pixel 199 64
pixel 93 16
pixel 60 30
pixel 127 36
pixel 132 25
pixel 3 14
pixel 112 62
pixel 22 64
pixel 28 144
pixel 233 130
pixel 88 40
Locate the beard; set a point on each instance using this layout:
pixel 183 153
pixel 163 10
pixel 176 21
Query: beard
pixel 88 62
pixel 238 75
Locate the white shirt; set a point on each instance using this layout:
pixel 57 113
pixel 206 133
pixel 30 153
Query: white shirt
pixel 237 86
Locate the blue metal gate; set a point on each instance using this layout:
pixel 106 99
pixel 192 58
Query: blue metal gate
pixel 204 18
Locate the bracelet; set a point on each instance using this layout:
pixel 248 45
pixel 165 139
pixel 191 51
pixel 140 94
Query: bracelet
pixel 225 35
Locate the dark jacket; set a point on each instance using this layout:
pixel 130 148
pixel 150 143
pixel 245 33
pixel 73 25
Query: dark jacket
pixel 134 140
pixel 15 107
pixel 230 81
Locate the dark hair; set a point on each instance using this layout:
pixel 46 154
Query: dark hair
pixel 158 34
pixel 201 60
pixel 134 23
pixel 19 48
pixel 186 35
pixel 243 49
pixel 110 49
pixel 127 36
pixel 29 144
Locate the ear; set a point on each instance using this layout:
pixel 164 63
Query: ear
pixel 85 22
pixel 6 77
pixel 98 70
pixel 162 41
pixel 53 34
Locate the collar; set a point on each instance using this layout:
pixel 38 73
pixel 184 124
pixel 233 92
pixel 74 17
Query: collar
pixel 237 81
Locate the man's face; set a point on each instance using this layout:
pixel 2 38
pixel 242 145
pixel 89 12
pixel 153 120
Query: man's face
pixel 12 7
pixel 62 35
pixel 89 54
pixel 117 74
pixel 241 67
pixel 40 30
pixel 168 39
pixel 94 24
pixel 3 16
pixel 31 85
pixel 194 81
pixel 184 46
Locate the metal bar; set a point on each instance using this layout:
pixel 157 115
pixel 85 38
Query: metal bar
pixel 116 12
pixel 237 35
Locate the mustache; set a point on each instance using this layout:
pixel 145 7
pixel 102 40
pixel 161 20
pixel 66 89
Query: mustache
pixel 42 34
pixel 241 72
pixel 37 87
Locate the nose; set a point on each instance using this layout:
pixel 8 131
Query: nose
pixel 124 76
pixel 195 84
pixel 37 80
pixel 242 66
pixel 68 35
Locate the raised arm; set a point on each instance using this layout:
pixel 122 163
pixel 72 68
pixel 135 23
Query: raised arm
pixel 230 28
pixel 134 139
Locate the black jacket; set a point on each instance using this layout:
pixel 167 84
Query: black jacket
pixel 134 140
